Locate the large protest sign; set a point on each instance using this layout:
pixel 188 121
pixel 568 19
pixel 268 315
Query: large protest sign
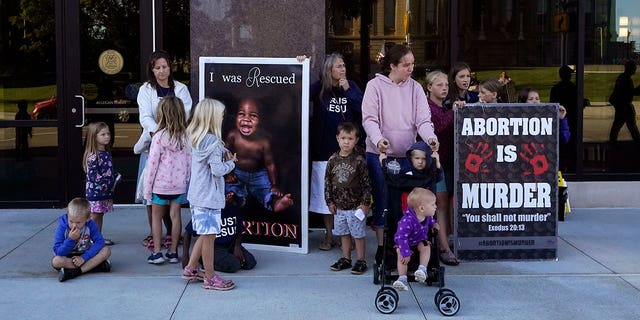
pixel 506 181
pixel 266 103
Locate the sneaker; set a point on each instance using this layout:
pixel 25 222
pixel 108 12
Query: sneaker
pixel 66 274
pixel 341 264
pixel 156 258
pixel 108 242
pixel 360 267
pixel 420 275
pixel 104 266
pixel 401 285
pixel 172 257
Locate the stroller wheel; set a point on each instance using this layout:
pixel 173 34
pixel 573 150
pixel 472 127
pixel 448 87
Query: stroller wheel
pixel 440 293
pixel 376 273
pixel 386 302
pixel 393 291
pixel 448 304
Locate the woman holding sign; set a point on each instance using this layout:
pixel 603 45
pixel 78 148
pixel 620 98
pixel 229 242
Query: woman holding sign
pixel 459 80
pixel 394 111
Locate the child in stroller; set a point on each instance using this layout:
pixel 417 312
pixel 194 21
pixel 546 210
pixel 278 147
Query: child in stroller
pixel 424 172
pixel 412 235
pixel 420 179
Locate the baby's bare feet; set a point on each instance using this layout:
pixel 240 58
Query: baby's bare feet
pixel 282 203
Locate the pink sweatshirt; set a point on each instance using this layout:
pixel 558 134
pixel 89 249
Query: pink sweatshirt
pixel 396 112
pixel 168 167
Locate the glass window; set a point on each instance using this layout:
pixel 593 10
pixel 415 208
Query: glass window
pixel 29 156
pixel 530 41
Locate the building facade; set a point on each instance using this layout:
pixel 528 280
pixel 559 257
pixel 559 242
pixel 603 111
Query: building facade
pixel 66 63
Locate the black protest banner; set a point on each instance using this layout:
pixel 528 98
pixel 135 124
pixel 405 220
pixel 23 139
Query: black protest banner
pixel 266 103
pixel 506 172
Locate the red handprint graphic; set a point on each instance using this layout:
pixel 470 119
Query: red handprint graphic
pixel 534 156
pixel 478 154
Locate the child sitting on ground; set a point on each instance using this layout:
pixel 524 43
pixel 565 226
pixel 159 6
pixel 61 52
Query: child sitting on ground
pixel 79 246
pixel 412 235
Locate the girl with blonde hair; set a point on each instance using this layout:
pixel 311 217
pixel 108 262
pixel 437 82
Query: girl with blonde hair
pixel 438 88
pixel 210 161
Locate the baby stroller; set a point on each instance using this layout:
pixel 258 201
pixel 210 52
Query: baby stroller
pixel 384 272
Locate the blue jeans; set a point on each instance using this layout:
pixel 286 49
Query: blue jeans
pixel 379 186
pixel 258 185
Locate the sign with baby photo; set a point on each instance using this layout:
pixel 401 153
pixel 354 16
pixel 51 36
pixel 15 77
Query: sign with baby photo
pixel 506 181
pixel 266 103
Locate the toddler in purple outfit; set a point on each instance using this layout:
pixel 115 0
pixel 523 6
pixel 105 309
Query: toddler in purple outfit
pixel 412 235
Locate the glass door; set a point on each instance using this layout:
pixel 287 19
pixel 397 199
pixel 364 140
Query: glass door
pixel 112 69
pixel 64 64
pixel 32 156
pixel 110 78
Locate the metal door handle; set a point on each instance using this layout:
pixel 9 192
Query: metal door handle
pixel 81 98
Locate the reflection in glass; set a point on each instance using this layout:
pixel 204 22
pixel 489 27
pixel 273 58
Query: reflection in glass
pixel 28 154
pixel 29 173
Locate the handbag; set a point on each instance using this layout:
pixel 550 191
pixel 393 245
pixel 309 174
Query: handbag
pixel 143 144
pixel 140 187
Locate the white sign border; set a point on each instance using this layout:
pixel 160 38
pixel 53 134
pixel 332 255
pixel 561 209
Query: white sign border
pixel 304 157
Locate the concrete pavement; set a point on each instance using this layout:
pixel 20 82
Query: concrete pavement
pixel 597 276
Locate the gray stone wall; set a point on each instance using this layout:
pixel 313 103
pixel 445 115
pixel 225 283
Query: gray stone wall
pixel 256 28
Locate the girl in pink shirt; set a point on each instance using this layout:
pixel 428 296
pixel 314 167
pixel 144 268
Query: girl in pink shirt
pixel 166 175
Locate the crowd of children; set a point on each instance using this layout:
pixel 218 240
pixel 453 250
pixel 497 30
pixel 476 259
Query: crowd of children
pixel 183 164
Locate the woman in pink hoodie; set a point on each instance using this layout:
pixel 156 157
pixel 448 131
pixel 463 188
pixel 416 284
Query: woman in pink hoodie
pixel 166 175
pixel 394 111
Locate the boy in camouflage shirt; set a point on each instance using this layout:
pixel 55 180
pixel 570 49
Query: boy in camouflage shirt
pixel 347 191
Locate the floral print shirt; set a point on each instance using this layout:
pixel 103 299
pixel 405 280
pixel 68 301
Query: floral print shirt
pixel 100 176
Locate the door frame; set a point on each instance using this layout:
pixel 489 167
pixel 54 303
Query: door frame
pixel 70 107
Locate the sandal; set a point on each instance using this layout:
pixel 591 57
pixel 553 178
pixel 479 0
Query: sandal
pixel 447 257
pixel 192 274
pixel 325 244
pixel 150 245
pixel 146 240
pixel 167 241
pixel 217 283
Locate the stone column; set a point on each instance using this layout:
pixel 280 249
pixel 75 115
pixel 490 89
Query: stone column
pixel 256 28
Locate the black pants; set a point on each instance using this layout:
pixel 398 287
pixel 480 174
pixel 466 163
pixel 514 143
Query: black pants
pixel 625 114
pixel 225 261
